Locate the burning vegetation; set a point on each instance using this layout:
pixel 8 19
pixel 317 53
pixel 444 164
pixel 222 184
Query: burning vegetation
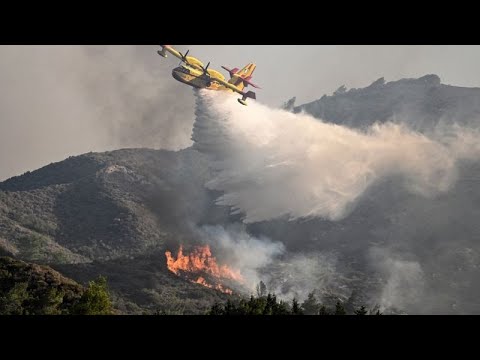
pixel 201 267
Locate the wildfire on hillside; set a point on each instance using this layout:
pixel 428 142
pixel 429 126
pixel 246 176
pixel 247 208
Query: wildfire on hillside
pixel 201 267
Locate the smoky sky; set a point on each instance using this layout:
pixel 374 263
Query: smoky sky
pixel 310 71
pixel 59 101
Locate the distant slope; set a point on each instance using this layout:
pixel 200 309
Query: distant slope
pixel 422 103
pixel 102 206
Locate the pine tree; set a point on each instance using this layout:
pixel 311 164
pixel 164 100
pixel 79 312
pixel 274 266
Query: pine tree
pixel 296 310
pixel 216 309
pixel 339 309
pixel 310 306
pixel 323 311
pixel 271 303
pixel 230 308
pixel 95 300
pixel 361 311
pixel 281 308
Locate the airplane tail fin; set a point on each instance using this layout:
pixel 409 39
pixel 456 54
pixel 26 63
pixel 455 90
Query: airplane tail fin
pixel 247 71
pixel 241 78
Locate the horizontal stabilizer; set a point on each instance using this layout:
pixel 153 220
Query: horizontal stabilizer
pixel 250 95
pixel 247 82
pixel 230 71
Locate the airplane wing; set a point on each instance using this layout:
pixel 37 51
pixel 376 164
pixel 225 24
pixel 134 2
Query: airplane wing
pixel 245 95
pixel 227 85
pixel 189 60
pixel 171 50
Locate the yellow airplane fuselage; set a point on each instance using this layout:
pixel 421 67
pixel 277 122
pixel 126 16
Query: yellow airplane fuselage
pixel 192 72
pixel 196 78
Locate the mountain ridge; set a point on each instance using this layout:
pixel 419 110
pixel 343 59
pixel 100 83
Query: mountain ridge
pixel 116 213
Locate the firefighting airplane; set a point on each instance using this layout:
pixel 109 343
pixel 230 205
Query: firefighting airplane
pixel 192 72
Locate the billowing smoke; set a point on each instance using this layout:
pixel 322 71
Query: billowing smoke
pixel 297 275
pixel 138 102
pixel 59 101
pixel 261 259
pixel 404 281
pixel 273 164
pixel 242 251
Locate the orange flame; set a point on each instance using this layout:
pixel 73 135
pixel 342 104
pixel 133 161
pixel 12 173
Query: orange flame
pixel 202 261
pixel 218 287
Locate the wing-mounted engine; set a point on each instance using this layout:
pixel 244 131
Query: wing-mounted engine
pixel 194 62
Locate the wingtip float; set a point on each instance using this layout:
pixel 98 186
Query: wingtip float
pixel 192 72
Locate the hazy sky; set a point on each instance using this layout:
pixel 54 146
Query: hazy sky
pixel 57 101
pixel 308 71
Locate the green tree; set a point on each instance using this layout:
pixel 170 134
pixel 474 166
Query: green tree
pixel 281 308
pixel 12 303
pixel 230 308
pixel 361 311
pixel 310 305
pixel 256 306
pixel 49 303
pixel 270 305
pixel 296 309
pixel 323 311
pixel 339 309
pixel 95 300
pixel 216 309
pixel 160 312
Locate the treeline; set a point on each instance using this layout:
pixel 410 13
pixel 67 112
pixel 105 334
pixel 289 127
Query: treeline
pixel 269 305
pixel 21 299
pixel 31 289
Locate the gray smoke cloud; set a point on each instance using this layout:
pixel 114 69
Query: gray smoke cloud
pixel 242 251
pixel 417 256
pixel 135 94
pixel 261 259
pixel 297 274
pixel 404 282
pixel 272 163
pixel 58 101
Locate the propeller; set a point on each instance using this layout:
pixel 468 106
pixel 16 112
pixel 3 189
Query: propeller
pixel 205 70
pixel 184 57
pixel 207 74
